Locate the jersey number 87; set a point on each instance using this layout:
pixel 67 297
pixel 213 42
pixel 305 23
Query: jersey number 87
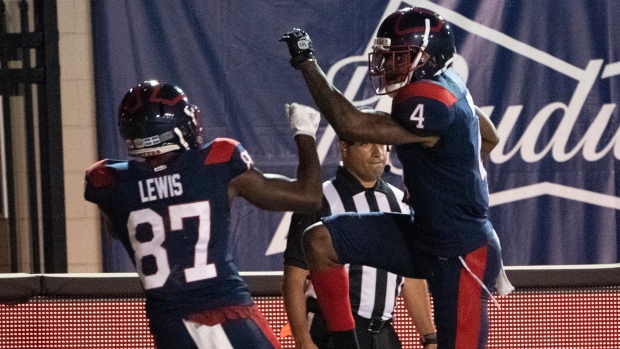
pixel 200 271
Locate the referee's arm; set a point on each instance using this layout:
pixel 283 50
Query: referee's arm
pixel 295 279
pixel 416 299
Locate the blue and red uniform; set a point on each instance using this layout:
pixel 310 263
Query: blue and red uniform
pixel 447 239
pixel 173 220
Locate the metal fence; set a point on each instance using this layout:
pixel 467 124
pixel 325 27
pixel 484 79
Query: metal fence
pixel 30 95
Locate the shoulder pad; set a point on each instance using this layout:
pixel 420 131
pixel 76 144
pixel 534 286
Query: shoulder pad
pixel 221 149
pixel 100 175
pixel 426 89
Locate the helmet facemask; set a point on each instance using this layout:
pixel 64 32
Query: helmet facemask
pixel 392 67
pixel 189 132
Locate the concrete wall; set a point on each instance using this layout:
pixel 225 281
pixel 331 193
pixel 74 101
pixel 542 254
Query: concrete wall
pixel 79 133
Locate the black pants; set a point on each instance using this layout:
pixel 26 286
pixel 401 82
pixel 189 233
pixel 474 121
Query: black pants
pixel 386 338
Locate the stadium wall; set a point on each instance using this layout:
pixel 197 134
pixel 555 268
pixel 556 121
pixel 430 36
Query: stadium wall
pixel 552 307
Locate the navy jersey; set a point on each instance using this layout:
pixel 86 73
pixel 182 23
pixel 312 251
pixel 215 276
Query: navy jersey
pixel 446 184
pixel 174 221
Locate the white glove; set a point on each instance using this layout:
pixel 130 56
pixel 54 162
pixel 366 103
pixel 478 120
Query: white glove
pixel 304 119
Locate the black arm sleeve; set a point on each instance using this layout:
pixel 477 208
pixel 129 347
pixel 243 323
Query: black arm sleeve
pixel 294 254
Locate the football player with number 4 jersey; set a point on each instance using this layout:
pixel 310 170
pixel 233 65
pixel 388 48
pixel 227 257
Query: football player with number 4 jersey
pixel 171 211
pixel 441 139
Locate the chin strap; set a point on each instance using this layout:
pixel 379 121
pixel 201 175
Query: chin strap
pixel 181 138
pixel 427 31
pixel 445 66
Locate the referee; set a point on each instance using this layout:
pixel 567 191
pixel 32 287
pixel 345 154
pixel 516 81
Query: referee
pixel 356 187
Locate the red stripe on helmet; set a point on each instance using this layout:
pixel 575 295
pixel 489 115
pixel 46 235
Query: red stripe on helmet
pixel 156 99
pixel 433 29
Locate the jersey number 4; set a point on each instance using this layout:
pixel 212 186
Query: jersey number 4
pixel 418 115
pixel 200 271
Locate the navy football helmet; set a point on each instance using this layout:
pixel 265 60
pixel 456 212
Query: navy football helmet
pixel 411 44
pixel 155 117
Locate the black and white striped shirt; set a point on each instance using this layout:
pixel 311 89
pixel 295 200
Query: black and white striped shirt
pixel 372 292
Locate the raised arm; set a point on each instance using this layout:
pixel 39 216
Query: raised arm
pixel 275 192
pixel 346 119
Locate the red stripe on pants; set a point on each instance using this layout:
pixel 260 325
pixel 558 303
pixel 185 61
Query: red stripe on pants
pixel 469 315
pixel 264 325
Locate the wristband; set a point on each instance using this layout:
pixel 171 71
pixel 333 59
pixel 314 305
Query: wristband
pixel 429 338
pixel 300 58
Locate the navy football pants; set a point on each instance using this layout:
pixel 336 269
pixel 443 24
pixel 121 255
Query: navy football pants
pixel 459 299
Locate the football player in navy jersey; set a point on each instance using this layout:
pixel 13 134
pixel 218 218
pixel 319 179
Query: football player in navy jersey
pixel 171 211
pixel 356 187
pixel 441 139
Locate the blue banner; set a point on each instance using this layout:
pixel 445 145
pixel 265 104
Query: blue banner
pixel 547 72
